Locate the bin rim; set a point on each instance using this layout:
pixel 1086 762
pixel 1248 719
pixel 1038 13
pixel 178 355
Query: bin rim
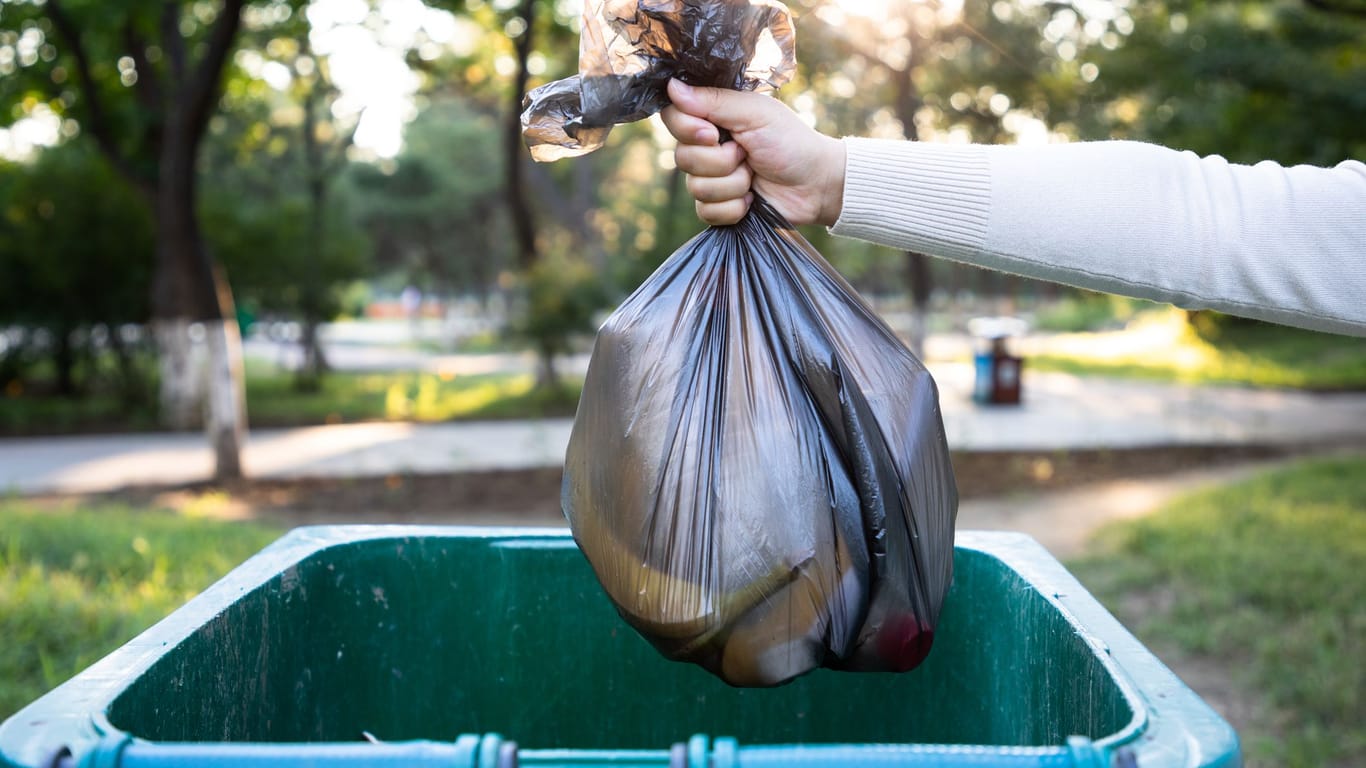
pixel 76 709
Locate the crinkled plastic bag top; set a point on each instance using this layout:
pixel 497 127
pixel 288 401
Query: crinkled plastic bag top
pixel 628 51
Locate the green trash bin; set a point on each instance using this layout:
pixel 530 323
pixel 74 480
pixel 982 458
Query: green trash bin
pixel 485 647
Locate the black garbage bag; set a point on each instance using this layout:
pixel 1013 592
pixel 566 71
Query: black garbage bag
pixel 758 472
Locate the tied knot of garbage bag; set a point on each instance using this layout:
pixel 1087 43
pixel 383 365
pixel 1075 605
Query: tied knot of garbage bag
pixel 628 51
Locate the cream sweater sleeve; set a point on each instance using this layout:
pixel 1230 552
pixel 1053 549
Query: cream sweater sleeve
pixel 1281 244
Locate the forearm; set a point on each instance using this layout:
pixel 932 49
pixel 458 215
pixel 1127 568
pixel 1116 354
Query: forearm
pixel 1282 244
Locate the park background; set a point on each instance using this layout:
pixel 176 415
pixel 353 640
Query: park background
pixel 318 219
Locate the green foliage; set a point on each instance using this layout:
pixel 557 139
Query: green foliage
pixel 1088 311
pixel 989 72
pixel 435 214
pixel 923 71
pixel 563 296
pixel 76 255
pixel 1264 576
pixel 78 242
pixel 474 73
pixel 273 215
pixel 266 247
pixel 23 413
pixel 1270 80
pixel 77 582
pixel 131 67
pixel 48 81
pixel 1212 326
pixel 1250 353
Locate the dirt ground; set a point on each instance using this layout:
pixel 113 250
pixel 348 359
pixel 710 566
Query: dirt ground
pixel 532 497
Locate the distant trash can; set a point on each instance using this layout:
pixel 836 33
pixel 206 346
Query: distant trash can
pixel 483 647
pixel 997 372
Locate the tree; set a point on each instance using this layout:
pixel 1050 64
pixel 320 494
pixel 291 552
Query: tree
pixel 879 43
pixel 142 79
pixel 1275 80
pixel 988 72
pixel 563 297
pixel 275 250
pixel 435 213
pixel 76 259
pixel 288 124
pixel 538 41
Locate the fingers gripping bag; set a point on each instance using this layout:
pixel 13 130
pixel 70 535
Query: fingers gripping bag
pixel 758 472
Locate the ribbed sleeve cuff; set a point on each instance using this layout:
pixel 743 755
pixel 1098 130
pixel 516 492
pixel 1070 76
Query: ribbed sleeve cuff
pixel 933 198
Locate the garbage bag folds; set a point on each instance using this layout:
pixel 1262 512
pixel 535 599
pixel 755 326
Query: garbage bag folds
pixel 758 472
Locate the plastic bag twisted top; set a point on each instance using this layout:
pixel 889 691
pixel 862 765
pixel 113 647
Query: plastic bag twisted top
pixel 628 51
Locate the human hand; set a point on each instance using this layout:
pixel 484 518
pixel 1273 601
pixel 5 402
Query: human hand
pixel 799 171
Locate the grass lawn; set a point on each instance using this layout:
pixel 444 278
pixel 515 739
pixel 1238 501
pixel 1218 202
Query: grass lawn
pixel 1162 346
pixel 76 583
pixel 1264 579
pixel 272 399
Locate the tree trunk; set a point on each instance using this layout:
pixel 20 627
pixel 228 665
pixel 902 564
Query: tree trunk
pixel 519 207
pixel 1010 298
pixel 180 395
pixel 920 285
pixel 14 357
pixel 314 365
pixel 178 102
pixel 64 361
pixel 547 378
pixel 523 226
pixel 310 374
pixel 188 290
pixel 482 269
pixel 226 414
pixel 585 193
pixel 131 392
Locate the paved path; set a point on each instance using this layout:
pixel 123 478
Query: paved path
pixel 97 463
pixel 1061 412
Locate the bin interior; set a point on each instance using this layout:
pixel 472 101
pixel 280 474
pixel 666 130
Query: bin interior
pixel 433 636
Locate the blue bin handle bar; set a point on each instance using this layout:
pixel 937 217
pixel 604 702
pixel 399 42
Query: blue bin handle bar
pixel 120 750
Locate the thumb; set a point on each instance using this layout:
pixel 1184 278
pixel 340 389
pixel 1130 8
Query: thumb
pixel 733 110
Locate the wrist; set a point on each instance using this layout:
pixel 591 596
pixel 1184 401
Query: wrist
pixel 831 190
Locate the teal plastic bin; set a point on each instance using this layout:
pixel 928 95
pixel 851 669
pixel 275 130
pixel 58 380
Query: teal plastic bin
pixel 485 647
